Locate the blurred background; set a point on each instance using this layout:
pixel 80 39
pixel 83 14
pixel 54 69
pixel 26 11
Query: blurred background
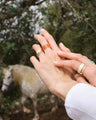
pixel 72 22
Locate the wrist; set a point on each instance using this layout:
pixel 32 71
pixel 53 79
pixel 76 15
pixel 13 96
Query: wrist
pixel 62 89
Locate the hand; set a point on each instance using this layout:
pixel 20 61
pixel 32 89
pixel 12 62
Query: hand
pixel 73 61
pixel 56 79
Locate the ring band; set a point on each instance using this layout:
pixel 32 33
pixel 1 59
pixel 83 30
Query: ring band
pixel 81 68
pixel 39 52
pixel 45 46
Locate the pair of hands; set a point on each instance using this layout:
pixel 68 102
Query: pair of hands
pixel 73 61
pixel 55 72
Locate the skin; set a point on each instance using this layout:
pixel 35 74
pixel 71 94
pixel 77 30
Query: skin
pixel 58 80
pixel 73 60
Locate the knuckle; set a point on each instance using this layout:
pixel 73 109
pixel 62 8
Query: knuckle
pixel 72 62
pixel 79 56
pixel 85 57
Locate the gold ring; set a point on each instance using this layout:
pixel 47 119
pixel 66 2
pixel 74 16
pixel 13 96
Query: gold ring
pixel 39 52
pixel 81 68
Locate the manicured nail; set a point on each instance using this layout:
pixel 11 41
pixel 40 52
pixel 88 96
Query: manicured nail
pixel 62 45
pixel 42 29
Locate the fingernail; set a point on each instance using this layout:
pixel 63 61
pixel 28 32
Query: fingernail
pixel 62 45
pixel 42 29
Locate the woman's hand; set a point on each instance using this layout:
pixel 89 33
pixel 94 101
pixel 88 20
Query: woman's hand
pixel 56 79
pixel 74 61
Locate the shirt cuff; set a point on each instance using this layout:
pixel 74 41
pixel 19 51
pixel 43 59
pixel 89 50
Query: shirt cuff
pixel 80 101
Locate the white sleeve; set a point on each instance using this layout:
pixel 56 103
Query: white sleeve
pixel 80 102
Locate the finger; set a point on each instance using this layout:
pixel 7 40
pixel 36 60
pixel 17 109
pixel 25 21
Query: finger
pixel 42 41
pixel 35 62
pixel 63 48
pixel 80 79
pixel 74 56
pixel 87 71
pixel 49 39
pixel 37 48
pixel 68 63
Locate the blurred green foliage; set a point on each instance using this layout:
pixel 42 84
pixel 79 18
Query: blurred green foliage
pixel 9 99
pixel 1 74
pixel 73 23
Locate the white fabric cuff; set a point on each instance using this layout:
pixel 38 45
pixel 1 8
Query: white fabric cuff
pixel 80 102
